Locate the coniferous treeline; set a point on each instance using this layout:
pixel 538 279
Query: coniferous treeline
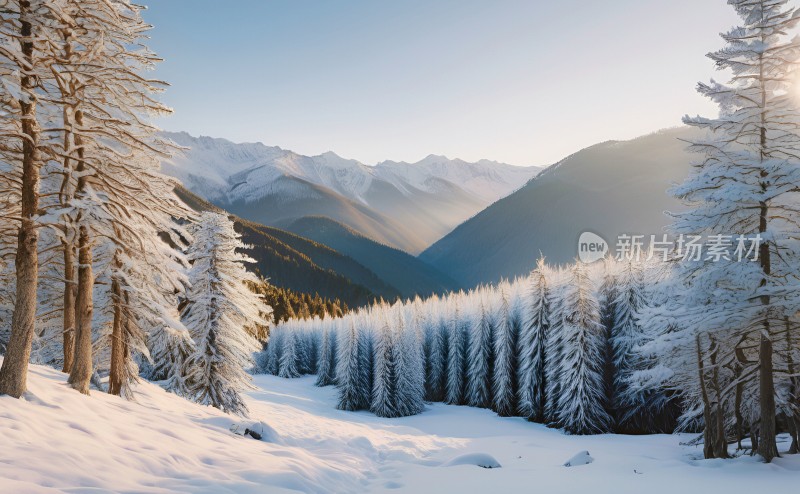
pixel 287 304
pixel 538 348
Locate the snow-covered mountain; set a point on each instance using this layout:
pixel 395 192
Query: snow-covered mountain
pixel 405 205
pixel 609 189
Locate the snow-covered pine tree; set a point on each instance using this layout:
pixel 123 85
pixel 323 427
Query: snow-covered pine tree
pixel 554 349
pixel 606 275
pixel 220 309
pixel 326 371
pixel 410 369
pixel 533 339
pixel 747 185
pixel 287 368
pixel 479 361
pixel 456 355
pixel 169 347
pixel 436 361
pixel 351 371
pixel 581 407
pixel 503 385
pixel 385 379
pixel 626 337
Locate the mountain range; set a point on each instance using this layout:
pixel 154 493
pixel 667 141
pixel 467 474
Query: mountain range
pixel 612 188
pixel 402 205
pixel 335 226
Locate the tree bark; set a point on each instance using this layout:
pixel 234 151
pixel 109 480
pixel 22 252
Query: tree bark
pixel 81 372
pixel 117 370
pixel 69 306
pixel 768 446
pixel 13 374
pixel 708 430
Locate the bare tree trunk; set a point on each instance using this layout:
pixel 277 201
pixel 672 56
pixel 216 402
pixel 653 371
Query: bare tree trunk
pixel 81 373
pixel 117 370
pixel 720 442
pixel 710 424
pixel 69 306
pixel 13 374
pixel 754 438
pixel 793 417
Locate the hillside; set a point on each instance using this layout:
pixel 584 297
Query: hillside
pixel 302 265
pixel 610 188
pixel 408 274
pixel 57 440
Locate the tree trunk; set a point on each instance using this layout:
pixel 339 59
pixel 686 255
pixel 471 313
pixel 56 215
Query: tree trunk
pixel 69 306
pixel 117 371
pixel 793 416
pixel 710 424
pixel 81 373
pixel 720 442
pixel 13 374
pixel 768 446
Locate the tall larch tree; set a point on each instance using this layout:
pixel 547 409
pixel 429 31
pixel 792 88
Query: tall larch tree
pixel 746 184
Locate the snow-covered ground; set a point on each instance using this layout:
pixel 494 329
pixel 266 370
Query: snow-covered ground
pixel 56 440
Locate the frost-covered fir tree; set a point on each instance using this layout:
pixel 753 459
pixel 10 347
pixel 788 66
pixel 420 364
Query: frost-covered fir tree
pixel 581 407
pixel 503 384
pixel 169 349
pixel 220 309
pixel 436 354
pixel 479 361
pixel 288 368
pixel 410 370
pixel 352 370
pixel 533 339
pixel 456 356
pixel 626 337
pixel 385 378
pixel 554 349
pixel 746 185
pixel 326 371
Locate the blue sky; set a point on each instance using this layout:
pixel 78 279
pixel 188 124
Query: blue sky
pixel 521 81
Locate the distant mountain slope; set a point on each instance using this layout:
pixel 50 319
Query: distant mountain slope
pixel 408 206
pixel 302 265
pixel 408 274
pixel 609 189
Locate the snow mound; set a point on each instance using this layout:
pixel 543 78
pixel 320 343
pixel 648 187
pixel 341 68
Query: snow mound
pixel 582 458
pixel 483 460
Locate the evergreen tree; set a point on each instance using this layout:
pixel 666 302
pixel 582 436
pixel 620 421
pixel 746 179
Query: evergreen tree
pixel 626 336
pixel 288 367
pixel 479 361
pixel 410 370
pixel 581 407
pixel 745 185
pixel 533 340
pixel 385 377
pixel 326 371
pixel 220 309
pixel 504 401
pixel 436 362
pixel 456 357
pixel 351 371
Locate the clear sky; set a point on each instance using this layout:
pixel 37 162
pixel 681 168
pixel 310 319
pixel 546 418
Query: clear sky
pixel 526 82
